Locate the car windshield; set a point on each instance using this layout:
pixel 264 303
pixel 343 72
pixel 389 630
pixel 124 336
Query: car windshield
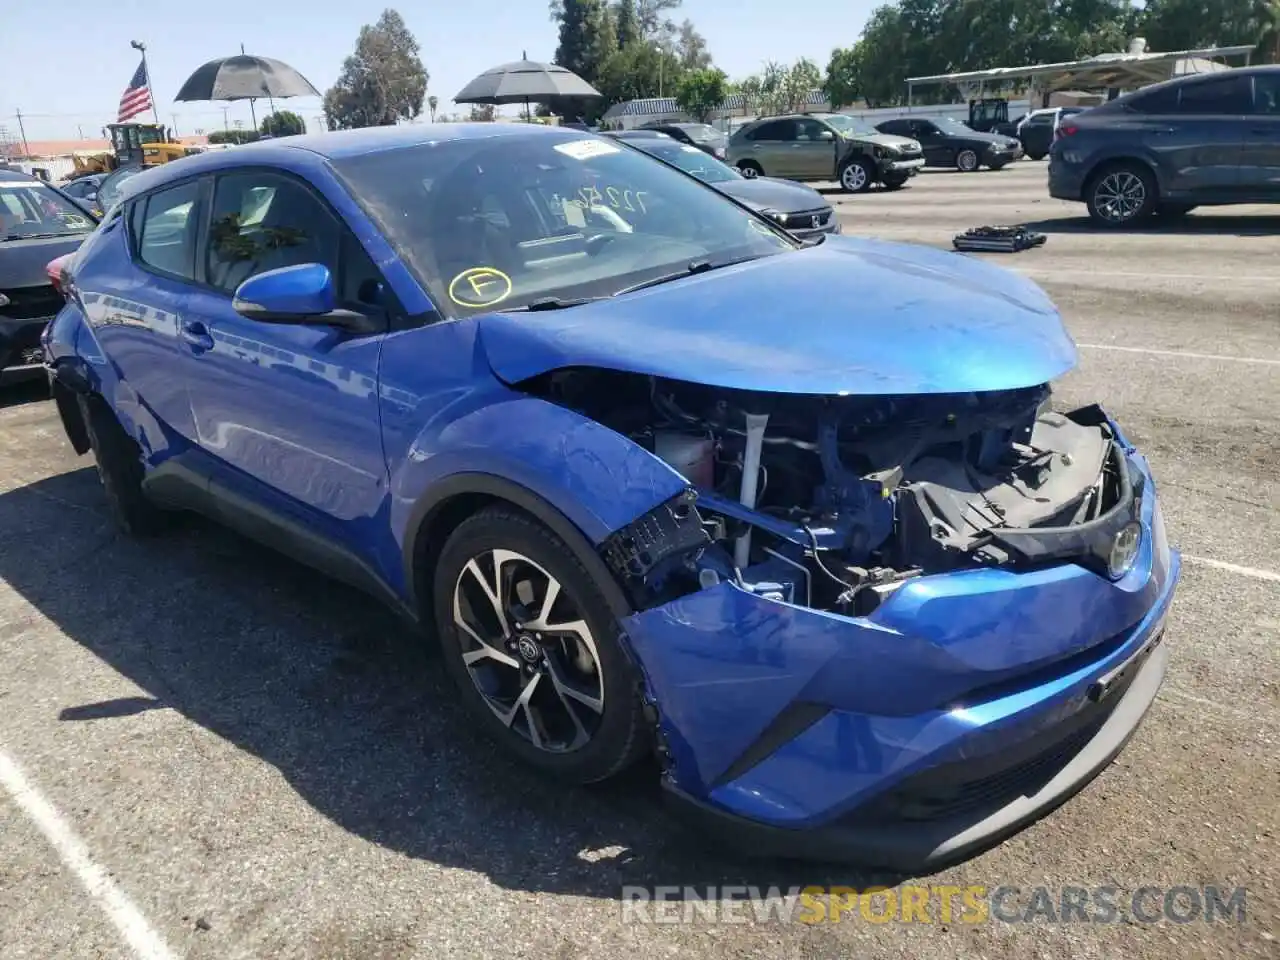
pixel 691 160
pixel 28 208
pixel 953 126
pixel 702 132
pixel 506 222
pixel 850 126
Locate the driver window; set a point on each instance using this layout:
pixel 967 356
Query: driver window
pixel 262 221
pixel 810 130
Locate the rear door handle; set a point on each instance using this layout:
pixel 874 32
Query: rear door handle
pixel 196 335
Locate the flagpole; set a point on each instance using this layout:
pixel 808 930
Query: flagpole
pixel 142 48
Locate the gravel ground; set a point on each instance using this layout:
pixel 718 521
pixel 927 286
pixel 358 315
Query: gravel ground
pixel 263 763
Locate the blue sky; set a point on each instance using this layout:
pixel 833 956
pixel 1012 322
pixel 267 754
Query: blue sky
pixel 66 79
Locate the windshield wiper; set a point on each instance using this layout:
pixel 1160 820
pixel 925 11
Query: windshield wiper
pixel 694 267
pixel 38 236
pixel 551 303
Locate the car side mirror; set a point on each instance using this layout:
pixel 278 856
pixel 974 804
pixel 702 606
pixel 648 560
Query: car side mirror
pixel 826 135
pixel 300 294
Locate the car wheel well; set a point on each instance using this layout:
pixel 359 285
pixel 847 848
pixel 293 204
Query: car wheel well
pixel 1114 163
pixel 471 494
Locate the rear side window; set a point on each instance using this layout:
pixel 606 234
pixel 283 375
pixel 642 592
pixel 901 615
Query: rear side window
pixel 899 127
pixel 167 239
pixel 1225 96
pixel 777 130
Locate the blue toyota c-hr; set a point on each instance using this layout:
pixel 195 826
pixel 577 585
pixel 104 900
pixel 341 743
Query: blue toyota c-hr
pixel 794 518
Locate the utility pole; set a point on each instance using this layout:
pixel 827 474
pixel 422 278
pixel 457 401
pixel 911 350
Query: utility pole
pixel 174 117
pixel 80 130
pixel 26 150
pixel 225 125
pixel 142 48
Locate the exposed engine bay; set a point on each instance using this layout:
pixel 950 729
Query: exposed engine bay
pixel 835 501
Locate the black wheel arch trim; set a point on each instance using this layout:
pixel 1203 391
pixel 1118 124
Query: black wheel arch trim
pixel 492 488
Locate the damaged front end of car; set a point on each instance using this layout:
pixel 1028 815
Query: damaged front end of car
pixel 835 502
pixel 855 593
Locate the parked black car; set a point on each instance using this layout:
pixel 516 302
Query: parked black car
pixel 38 224
pixel 798 209
pixel 949 143
pixel 701 135
pixel 1200 140
pixel 1038 129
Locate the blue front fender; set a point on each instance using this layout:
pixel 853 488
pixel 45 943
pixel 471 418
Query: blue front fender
pixel 596 478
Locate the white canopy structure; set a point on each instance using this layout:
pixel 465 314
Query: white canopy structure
pixel 1125 71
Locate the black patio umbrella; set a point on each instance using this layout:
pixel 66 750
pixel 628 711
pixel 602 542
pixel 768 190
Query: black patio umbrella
pixel 245 77
pixel 525 81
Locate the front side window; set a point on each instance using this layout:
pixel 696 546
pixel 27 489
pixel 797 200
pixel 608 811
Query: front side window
pixel 166 241
pixel 263 221
pixel 28 209
pixel 501 222
pixel 1266 94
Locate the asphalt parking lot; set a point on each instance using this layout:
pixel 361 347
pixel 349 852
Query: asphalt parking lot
pixel 206 751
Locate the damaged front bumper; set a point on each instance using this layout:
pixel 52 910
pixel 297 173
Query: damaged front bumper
pixel 964 706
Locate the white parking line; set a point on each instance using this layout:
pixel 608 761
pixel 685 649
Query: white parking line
pixel 1268 575
pixel 132 925
pixel 1179 353
pixel 1052 272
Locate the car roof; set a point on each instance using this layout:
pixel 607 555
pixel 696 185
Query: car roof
pixel 336 145
pixel 17 175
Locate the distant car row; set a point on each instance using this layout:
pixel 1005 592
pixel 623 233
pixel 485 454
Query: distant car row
pixel 855 154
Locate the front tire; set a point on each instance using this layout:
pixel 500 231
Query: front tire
pixel 119 462
pixel 1121 195
pixel 895 183
pixel 750 169
pixel 856 175
pixel 530 641
pixel 967 161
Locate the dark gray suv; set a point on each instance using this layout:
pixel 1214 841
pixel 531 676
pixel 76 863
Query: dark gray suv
pixel 1202 140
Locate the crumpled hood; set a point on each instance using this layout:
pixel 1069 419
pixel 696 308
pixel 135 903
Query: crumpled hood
pixel 767 193
pixel 850 316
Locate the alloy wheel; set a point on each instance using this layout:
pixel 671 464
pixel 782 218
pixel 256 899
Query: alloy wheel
pixel 749 171
pixel 853 177
pixel 1120 196
pixel 967 161
pixel 529 651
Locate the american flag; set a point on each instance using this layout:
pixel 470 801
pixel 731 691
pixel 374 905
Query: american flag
pixel 136 98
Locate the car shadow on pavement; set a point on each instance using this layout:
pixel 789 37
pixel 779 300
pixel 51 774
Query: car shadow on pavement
pixel 31 389
pixel 1194 224
pixel 334 692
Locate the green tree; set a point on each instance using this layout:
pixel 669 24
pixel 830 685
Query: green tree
pixel 383 82
pixel 691 47
pixel 655 25
pixel 432 103
pixel 800 80
pixel 626 23
pixel 233 136
pixel 282 123
pixel 841 85
pixel 701 92
pixel 1267 29
pixel 585 43
pixel 638 72
pixel 482 113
